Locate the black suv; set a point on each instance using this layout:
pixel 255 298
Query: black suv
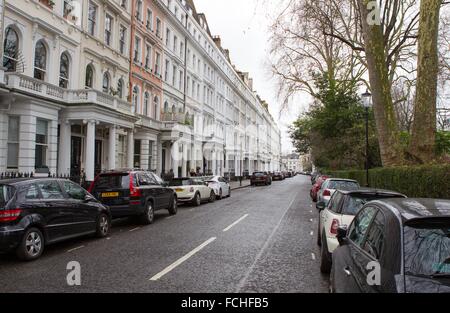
pixel 134 193
pixel 37 212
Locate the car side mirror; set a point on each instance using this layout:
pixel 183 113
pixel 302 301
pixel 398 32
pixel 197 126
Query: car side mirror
pixel 320 206
pixel 341 235
pixel 88 198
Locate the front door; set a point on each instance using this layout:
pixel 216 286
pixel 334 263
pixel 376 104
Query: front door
pixel 75 156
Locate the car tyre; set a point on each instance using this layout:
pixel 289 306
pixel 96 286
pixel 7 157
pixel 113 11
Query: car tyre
pixel 149 214
pixel 319 237
pixel 103 226
pixel 229 193
pixel 31 246
pixel 197 200
pixel 212 197
pixel 325 257
pixel 173 208
pixel 220 196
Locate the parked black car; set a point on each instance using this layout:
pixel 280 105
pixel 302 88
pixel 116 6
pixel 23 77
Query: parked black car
pixel 410 240
pixel 37 212
pixel 278 176
pixel 134 193
pixel 260 178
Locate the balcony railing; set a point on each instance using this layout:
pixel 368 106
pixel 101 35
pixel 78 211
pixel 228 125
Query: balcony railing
pixel 180 118
pixel 52 92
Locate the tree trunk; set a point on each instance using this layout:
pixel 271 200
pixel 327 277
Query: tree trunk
pixel 423 139
pixel 388 134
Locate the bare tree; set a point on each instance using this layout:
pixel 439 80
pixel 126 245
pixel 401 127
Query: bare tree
pixel 300 48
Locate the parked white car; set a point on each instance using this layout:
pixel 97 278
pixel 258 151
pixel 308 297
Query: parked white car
pixel 330 185
pixel 192 190
pixel 340 211
pixel 220 186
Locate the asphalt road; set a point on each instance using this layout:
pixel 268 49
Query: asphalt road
pixel 262 239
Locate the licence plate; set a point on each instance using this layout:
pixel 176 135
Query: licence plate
pixel 179 190
pixel 110 195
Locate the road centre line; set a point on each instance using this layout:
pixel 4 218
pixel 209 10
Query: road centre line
pixel 265 246
pixel 181 260
pixel 235 223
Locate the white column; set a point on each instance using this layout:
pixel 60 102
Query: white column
pixel 64 148
pixel 90 152
pixel 184 161
pixel 112 147
pixel 130 149
pixel 175 156
pixel 214 162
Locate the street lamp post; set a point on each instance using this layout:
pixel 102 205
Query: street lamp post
pixel 367 103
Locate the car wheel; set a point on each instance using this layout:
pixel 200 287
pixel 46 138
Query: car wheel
pixel 229 193
pixel 212 197
pixel 220 196
pixel 325 258
pixel 103 226
pixel 197 200
pixel 173 208
pixel 32 245
pixel 149 214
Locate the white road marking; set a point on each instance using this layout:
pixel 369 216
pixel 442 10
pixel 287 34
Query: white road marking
pixel 109 238
pixel 74 249
pixel 182 260
pixel 235 223
pixel 169 217
pixel 312 233
pixel 313 256
pixel 311 220
pixel 134 229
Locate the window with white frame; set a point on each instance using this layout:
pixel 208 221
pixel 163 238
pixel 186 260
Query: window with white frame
pixel 180 81
pixel 167 37
pixel 175 44
pixel 137 49
pixel 41 147
pixel 108 29
pixel 13 142
pixel 158 64
pixel 148 57
pixel 64 67
pixel 149 19
pixel 146 103
pixel 92 18
pixel 158 28
pixel 166 71
pixel 122 39
pixel 139 10
pixel 40 60
pixel 174 75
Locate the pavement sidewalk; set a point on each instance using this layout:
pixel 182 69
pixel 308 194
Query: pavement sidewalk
pixel 236 185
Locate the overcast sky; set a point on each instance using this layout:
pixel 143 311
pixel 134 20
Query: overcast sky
pixel 243 27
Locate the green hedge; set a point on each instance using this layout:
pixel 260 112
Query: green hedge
pixel 415 182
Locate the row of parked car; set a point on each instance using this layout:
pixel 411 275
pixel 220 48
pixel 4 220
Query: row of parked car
pixel 358 227
pixel 266 178
pixel 35 212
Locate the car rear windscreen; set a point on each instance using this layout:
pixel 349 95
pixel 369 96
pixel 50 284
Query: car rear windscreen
pixel 355 202
pixel 6 193
pixel 427 247
pixel 342 185
pixel 258 174
pixel 116 181
pixel 179 182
